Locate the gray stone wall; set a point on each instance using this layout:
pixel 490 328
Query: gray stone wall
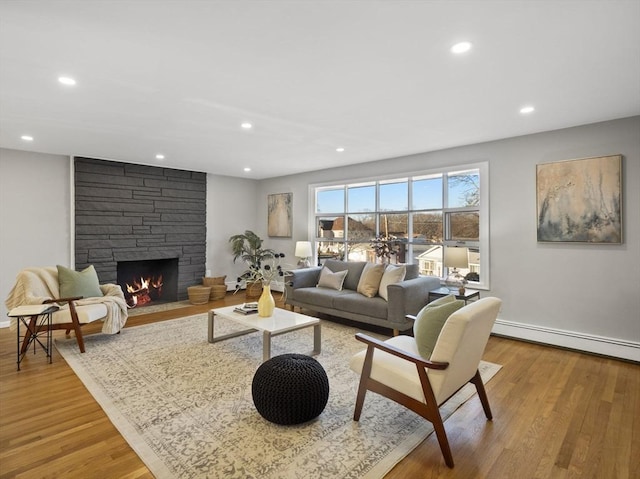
pixel 127 212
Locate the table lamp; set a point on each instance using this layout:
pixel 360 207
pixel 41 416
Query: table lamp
pixel 455 257
pixel 303 251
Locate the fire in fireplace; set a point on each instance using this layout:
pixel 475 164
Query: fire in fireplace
pixel 148 282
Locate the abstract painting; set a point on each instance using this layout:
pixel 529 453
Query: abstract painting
pixel 580 201
pixel 280 215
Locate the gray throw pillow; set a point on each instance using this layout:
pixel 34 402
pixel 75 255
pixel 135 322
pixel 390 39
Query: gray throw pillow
pixel 430 321
pixel 329 279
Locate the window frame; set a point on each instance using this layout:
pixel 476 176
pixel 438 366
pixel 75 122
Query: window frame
pixel 482 244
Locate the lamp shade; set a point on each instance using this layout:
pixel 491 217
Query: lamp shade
pixel 303 249
pixel 456 257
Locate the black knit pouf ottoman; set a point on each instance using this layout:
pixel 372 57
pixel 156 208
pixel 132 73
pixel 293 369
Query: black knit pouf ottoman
pixel 290 389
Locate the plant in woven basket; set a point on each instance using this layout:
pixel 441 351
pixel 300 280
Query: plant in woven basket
pixel 263 264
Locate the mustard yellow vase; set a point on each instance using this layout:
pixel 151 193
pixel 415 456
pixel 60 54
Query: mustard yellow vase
pixel 266 303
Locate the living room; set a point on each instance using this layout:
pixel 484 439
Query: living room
pixel 578 296
pixel 555 294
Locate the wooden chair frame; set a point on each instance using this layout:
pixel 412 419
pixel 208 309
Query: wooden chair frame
pixel 429 410
pixel 74 324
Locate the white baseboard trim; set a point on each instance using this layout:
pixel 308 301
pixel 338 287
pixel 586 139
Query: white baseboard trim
pixel 617 348
pixel 5 324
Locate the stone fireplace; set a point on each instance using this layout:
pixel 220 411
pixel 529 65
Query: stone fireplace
pixel 133 213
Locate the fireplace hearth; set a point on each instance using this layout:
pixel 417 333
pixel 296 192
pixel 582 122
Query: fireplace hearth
pixel 148 282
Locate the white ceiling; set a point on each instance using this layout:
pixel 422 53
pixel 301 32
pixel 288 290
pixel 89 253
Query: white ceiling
pixel 374 77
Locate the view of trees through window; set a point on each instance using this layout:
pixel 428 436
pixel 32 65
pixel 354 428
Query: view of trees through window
pixel 404 220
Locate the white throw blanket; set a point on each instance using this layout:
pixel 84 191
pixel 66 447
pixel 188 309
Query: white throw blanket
pixel 36 285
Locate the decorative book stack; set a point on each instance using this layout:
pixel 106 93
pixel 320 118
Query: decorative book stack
pixel 246 308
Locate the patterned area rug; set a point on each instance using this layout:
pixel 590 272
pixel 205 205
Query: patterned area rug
pixel 185 405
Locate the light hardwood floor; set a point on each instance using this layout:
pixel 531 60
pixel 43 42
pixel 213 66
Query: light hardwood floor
pixel 557 414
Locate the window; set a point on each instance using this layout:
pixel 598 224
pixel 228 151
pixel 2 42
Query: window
pixel 410 219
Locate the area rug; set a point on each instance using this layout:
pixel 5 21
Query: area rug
pixel 185 406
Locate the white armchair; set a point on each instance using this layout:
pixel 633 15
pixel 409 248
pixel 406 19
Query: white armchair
pixel 395 369
pixel 41 285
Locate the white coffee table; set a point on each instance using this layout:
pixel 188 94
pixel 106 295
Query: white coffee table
pixel 282 321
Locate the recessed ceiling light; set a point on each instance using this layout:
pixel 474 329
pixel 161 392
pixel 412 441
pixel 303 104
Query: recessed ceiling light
pixel 461 47
pixel 67 81
pixel 340 150
pixel 527 109
pixel 159 156
pixel 247 169
pixel 26 138
pixel 246 125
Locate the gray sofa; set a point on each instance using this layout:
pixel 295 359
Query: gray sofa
pixel 405 297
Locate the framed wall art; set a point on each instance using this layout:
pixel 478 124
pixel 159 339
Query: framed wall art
pixel 280 215
pixel 580 201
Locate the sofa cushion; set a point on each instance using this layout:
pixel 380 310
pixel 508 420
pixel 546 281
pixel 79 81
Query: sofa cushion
pixel 329 279
pixel 83 283
pixel 392 369
pixel 318 296
pixel 430 321
pixel 392 274
pixel 370 279
pixel 354 267
pixel 355 303
pixel 87 313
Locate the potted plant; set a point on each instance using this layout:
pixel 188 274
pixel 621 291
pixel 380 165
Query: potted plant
pixel 248 247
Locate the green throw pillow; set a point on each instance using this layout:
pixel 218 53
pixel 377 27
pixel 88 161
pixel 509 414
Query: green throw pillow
pixel 450 298
pixel 430 321
pixel 83 283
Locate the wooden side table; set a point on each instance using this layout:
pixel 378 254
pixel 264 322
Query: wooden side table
pixel 441 292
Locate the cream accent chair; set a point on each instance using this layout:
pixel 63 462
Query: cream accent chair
pixel 40 285
pixel 395 369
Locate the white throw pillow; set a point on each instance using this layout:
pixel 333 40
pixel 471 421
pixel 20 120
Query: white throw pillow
pixel 329 279
pixel 393 274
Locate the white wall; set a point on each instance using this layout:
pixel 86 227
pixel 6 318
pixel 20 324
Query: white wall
pixel 231 209
pixel 579 296
pixel 35 214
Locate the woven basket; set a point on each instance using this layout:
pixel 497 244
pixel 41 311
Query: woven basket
pixel 199 294
pixel 218 291
pixel 218 286
pixel 211 281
